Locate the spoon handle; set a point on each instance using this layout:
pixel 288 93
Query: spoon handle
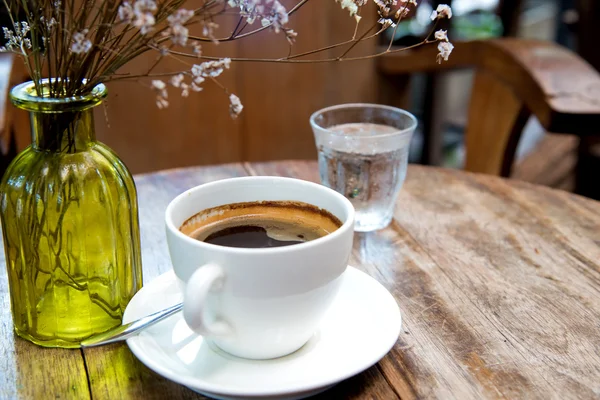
pixel 127 330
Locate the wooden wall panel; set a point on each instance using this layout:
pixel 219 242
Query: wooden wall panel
pixel 196 130
pixel 278 100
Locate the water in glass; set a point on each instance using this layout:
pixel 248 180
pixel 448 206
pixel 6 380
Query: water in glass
pixel 368 172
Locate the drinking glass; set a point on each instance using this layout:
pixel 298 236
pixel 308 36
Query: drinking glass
pixel 363 154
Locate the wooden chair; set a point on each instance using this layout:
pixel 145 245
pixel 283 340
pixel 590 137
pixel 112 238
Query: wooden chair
pixel 509 14
pixel 514 79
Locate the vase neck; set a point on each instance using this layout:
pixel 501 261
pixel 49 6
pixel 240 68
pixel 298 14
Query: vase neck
pixel 65 132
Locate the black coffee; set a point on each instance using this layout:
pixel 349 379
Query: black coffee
pixel 252 236
pixel 261 224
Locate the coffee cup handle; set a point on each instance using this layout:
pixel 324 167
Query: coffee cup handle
pixel 208 278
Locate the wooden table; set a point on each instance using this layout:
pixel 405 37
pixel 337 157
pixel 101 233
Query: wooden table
pixel 498 282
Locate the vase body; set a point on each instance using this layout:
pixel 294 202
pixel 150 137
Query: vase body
pixel 70 226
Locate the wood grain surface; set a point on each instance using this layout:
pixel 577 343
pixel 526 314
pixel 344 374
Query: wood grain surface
pixel 498 282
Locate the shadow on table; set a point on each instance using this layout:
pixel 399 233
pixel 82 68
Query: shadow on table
pixel 371 384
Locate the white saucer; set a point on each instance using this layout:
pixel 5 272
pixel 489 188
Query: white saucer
pixel 360 328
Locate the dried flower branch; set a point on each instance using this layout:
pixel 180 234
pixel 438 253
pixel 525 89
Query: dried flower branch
pixel 78 44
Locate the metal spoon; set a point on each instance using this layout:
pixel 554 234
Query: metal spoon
pixel 132 328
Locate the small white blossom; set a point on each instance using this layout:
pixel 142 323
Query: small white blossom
pixel 441 35
pixel 210 69
pixel 185 90
pixel 385 6
pixel 177 30
pixel 235 106
pixel 196 86
pixel 291 35
pixel 276 18
pixel 197 49
pixel 180 17
pixel 79 43
pixel 159 85
pixel 249 9
pixel 163 50
pixel 145 6
pixel 177 80
pixel 349 5
pixel 141 15
pixel 48 24
pixel 161 93
pixel 402 12
pixel 125 12
pixel 16 40
pixel 8 34
pixel 179 34
pixel 269 12
pixel 208 30
pixel 386 23
pixel 197 70
pixel 24 28
pixel 444 48
pixel 442 11
pixel 161 102
pixel 145 22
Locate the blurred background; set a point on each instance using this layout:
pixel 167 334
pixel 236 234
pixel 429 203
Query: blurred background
pixel 550 20
pixel 279 98
pixel 441 101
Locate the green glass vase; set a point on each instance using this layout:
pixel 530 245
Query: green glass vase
pixel 70 224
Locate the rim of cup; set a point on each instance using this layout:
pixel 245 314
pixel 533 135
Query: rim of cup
pixel 347 224
pixel 409 129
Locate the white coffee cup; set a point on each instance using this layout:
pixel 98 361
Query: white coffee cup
pixel 258 303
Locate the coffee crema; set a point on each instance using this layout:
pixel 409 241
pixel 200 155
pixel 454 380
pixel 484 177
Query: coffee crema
pixel 261 224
